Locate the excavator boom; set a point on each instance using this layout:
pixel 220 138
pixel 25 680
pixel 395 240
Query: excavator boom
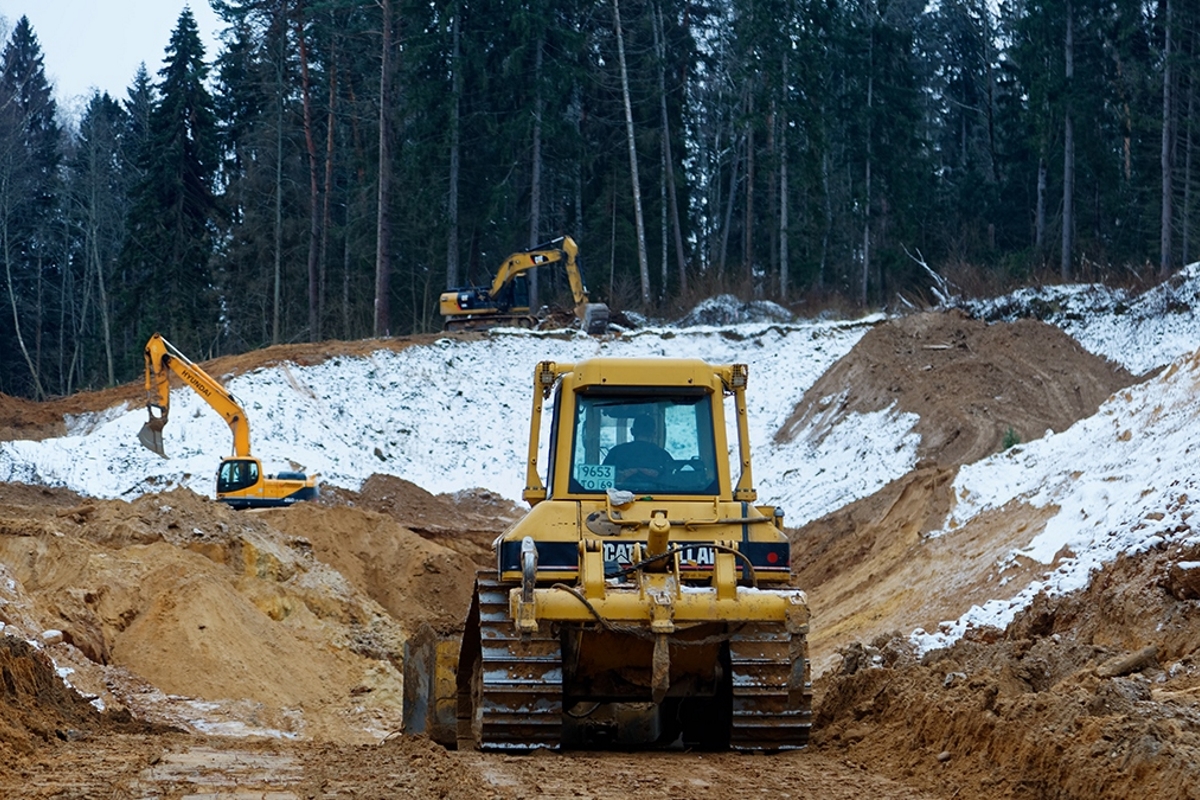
pixel 489 306
pixel 162 358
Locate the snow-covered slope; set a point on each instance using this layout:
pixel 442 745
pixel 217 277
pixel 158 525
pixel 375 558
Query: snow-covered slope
pixel 454 415
pixel 1139 333
pixel 1123 481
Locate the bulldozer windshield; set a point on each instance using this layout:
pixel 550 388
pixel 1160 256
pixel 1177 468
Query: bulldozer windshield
pixel 643 442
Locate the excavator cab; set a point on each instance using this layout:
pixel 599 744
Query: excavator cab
pixel 237 473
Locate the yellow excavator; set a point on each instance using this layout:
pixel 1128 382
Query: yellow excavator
pixel 506 301
pixel 241 481
pixel 646 597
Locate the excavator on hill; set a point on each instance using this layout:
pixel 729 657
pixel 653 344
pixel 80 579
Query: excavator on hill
pixel 240 479
pixel 646 598
pixel 506 301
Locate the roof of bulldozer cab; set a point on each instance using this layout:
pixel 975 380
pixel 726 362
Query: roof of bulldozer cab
pixel 666 372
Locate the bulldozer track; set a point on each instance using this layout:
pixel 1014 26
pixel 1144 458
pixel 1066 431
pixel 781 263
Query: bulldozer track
pixel 517 692
pixel 763 716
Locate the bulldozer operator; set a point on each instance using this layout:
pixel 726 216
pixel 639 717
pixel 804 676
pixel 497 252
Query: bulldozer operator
pixel 640 457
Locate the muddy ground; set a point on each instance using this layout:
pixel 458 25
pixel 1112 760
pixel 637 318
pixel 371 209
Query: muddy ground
pixel 222 653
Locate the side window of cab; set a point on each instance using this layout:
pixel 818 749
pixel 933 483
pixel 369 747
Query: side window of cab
pixel 236 475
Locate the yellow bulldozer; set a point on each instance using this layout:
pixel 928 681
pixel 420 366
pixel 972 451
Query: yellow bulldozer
pixel 645 599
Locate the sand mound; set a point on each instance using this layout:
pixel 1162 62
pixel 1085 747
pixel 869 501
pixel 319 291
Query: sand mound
pixel 466 521
pixel 869 569
pixel 968 381
pixel 414 579
pixel 1088 696
pixel 184 596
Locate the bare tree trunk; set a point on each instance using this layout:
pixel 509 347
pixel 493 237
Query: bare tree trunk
pixel 668 158
pixel 5 198
pixel 93 254
pixel 729 202
pixel 346 283
pixel 314 189
pixel 383 324
pixel 988 35
pixel 866 235
pixel 643 259
pixel 535 178
pixel 326 210
pixel 662 219
pixel 827 195
pixel 1187 174
pixel 455 110
pixel 1168 141
pixel 715 258
pixel 1039 221
pixel 1068 150
pixel 772 193
pixel 748 232
pixel 576 120
pixel 105 321
pixel 277 293
pixel 783 193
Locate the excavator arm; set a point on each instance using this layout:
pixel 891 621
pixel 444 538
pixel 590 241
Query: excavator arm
pixel 481 302
pixel 162 356
pixel 562 249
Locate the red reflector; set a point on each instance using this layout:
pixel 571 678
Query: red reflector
pixel 772 558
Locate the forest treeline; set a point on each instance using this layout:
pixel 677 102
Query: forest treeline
pixel 339 162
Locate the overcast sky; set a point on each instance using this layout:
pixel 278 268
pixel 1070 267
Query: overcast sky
pixel 98 44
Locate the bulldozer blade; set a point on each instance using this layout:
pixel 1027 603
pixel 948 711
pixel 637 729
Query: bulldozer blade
pixel 152 439
pixel 430 691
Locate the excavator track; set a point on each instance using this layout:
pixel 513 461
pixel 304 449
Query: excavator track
pixel 764 718
pixel 516 685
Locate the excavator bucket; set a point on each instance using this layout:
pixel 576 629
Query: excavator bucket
pixel 151 437
pixel 595 319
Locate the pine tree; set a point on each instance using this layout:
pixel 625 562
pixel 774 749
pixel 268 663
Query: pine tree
pixel 169 245
pixel 97 192
pixel 29 158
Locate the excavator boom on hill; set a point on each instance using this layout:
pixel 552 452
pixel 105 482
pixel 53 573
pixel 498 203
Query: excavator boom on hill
pixel 645 599
pixel 506 300
pixel 240 479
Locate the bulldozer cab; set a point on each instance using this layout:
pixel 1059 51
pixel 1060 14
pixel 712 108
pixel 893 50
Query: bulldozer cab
pixel 643 442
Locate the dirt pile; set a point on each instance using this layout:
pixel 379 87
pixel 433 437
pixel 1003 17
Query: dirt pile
pixel 968 381
pixel 870 568
pixel 414 579
pixel 1094 695
pixel 466 521
pixel 177 608
pixel 37 705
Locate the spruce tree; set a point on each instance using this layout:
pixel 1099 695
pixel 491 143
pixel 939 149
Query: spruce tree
pixel 169 244
pixel 29 158
pixel 97 192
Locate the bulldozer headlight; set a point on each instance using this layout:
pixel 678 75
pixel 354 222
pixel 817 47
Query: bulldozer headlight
pixel 739 375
